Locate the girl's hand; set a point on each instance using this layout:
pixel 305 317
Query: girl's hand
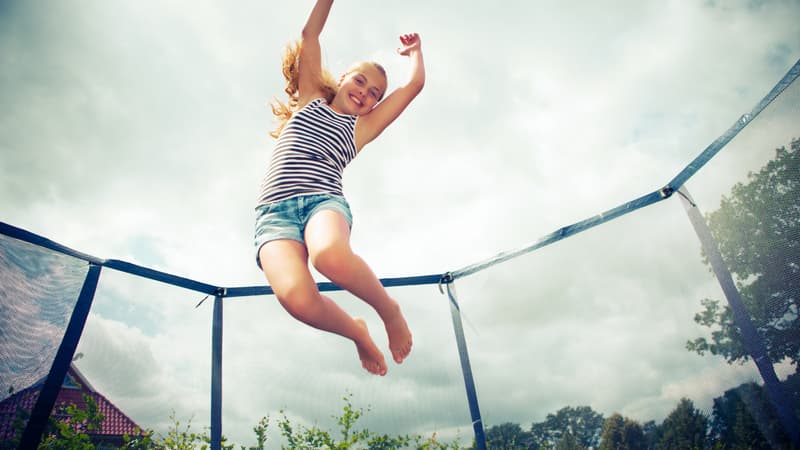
pixel 411 43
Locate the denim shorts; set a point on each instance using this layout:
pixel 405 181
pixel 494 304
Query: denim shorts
pixel 287 219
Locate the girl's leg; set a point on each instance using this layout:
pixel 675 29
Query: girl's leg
pixel 285 265
pixel 327 237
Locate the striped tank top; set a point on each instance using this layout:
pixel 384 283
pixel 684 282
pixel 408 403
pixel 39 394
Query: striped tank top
pixel 310 154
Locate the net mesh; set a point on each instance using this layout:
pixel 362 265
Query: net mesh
pixel 39 290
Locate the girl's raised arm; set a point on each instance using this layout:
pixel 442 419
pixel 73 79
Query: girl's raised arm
pixel 310 69
pixel 372 125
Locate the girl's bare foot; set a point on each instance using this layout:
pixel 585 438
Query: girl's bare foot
pixel 371 357
pixel 399 336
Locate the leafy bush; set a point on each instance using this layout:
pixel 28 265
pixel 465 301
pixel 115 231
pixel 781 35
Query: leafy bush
pixel 74 432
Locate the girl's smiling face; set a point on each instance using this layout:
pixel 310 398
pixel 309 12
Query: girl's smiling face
pixel 360 90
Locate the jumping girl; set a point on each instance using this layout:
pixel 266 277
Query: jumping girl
pixel 302 214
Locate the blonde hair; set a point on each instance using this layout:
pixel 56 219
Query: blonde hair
pixel 291 72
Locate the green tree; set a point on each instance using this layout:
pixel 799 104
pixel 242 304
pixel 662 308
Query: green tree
pixel 744 418
pixel 792 386
pixel 622 433
pixel 611 437
pixel 582 422
pixel 651 433
pixel 685 428
pixel 569 442
pixel 507 436
pixel 71 426
pixel 757 229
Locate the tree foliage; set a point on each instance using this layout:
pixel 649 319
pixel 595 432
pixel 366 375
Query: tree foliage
pixel 508 436
pixel 301 437
pixel 685 427
pixel 75 430
pixel 73 433
pixel 622 433
pixel 582 423
pixel 757 229
pixel 569 442
pixel 741 419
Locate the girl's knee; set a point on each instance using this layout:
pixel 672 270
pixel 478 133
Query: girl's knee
pixel 332 261
pixel 295 293
pixel 296 302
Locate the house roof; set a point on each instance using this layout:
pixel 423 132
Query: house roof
pixel 115 422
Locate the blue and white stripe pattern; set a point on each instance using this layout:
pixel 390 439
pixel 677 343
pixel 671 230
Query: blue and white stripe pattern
pixel 310 155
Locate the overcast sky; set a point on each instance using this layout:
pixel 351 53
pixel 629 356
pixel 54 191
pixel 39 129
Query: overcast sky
pixel 139 131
